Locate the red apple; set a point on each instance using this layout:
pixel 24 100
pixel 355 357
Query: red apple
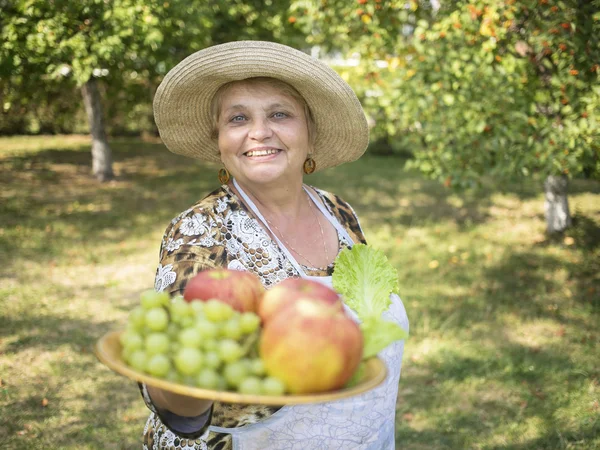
pixel 288 291
pixel 241 290
pixel 311 346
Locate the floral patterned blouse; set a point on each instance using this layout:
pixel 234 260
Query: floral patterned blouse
pixel 220 231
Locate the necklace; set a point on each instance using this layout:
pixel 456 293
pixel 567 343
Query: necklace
pixel 281 235
pixel 315 214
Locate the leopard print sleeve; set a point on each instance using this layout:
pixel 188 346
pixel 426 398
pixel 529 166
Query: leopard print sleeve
pixel 344 213
pixel 191 243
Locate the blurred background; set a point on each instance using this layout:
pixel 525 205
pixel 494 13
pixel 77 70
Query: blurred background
pixel 481 184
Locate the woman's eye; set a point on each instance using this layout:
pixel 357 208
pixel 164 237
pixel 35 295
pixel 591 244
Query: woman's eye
pixel 279 115
pixel 238 118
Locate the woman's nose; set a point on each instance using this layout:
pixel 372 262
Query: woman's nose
pixel 260 130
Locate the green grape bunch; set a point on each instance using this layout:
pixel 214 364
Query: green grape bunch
pixel 202 344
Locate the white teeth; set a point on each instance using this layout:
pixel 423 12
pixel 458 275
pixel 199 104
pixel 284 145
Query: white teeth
pixel 262 152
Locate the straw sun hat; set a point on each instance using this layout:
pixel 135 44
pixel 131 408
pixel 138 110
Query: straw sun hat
pixel 182 101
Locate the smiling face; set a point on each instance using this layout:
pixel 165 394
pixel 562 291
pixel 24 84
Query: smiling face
pixel 262 134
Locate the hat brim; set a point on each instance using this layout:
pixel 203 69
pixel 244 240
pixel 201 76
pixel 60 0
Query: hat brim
pixel 182 101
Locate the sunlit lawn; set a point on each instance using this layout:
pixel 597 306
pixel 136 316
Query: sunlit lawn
pixel 504 345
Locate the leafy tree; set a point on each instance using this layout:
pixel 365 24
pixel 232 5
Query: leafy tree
pixel 266 20
pixel 479 87
pixel 89 40
pixel 471 87
pixel 125 45
pixel 507 89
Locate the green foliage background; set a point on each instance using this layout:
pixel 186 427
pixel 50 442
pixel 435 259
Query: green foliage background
pixel 473 87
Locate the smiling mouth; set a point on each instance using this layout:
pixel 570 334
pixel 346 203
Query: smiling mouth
pixel 263 152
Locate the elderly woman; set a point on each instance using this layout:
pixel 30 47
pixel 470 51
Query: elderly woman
pixel 269 114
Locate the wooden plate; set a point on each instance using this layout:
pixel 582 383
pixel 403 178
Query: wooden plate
pixel 108 351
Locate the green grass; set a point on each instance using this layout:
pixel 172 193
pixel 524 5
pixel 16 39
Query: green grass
pixel 503 348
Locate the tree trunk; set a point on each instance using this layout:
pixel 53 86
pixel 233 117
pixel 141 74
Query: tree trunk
pixel 101 154
pixel 558 217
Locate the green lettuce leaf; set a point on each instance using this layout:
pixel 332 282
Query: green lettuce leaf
pixel 365 278
pixel 378 333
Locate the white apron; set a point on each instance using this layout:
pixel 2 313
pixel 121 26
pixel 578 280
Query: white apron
pixel 363 422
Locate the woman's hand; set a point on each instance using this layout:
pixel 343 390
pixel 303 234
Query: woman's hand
pixel 180 405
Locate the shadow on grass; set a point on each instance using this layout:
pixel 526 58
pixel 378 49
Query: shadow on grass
pixel 560 439
pixel 532 285
pixel 521 283
pixel 48 332
pixel 94 405
pixel 584 231
pixel 381 190
pixel 50 208
pixel 529 281
pixel 52 202
pixel 471 399
pixel 104 403
pixel 53 189
pixel 95 408
pixel 469 392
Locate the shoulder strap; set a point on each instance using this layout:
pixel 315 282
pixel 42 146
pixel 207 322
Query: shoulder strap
pixel 332 219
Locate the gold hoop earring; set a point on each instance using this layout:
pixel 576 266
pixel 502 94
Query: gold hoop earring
pixel 309 166
pixel 224 175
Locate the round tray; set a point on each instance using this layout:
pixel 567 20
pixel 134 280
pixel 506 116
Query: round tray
pixel 108 351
